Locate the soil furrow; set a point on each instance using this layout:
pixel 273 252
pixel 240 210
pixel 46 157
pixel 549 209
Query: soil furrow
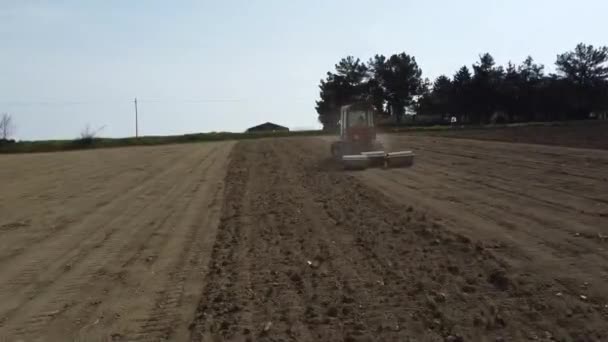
pixel 93 255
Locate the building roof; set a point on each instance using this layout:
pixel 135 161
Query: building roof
pixel 268 126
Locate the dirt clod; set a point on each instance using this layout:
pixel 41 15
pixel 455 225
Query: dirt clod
pixel 266 328
pixel 453 269
pixel 468 289
pixel 295 277
pixel 499 279
pixel 454 338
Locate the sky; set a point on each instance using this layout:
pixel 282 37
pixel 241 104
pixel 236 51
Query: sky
pixel 202 66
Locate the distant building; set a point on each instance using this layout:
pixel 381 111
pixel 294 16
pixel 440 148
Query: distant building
pixel 268 127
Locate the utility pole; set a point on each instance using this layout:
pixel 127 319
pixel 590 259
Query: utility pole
pixel 136 120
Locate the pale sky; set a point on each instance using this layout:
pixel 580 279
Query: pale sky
pixel 200 66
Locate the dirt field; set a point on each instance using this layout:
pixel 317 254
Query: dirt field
pixel 107 244
pixel 268 240
pixel 583 134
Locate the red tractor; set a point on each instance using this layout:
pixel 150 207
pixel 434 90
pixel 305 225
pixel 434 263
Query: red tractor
pixel 357 147
pixel 357 131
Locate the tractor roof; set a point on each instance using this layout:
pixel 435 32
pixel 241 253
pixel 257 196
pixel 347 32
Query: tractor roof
pixel 357 106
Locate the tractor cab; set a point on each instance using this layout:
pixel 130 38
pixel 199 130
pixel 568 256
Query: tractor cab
pixel 357 124
pixel 357 132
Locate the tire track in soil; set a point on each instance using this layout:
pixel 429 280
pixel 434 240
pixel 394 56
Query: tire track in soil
pixel 167 318
pixel 447 161
pixel 156 242
pixel 83 253
pixel 558 159
pixel 108 178
pixel 57 256
pixel 587 178
pixel 560 198
pixel 61 248
pixel 501 230
pixel 517 208
pixel 531 180
pixel 490 203
pixel 222 273
pixel 533 188
pixel 104 244
pixel 380 270
pixel 61 188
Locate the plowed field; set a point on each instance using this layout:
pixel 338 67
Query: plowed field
pixel 269 240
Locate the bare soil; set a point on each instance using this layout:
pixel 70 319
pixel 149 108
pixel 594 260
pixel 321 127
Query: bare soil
pixel 478 242
pixel 584 134
pixel 107 244
pixel 268 240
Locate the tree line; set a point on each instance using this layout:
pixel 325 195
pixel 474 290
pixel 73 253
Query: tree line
pixel 484 93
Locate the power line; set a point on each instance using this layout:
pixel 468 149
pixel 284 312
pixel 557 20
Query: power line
pixel 193 100
pixel 55 103
pixel 69 103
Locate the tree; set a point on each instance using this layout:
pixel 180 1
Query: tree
pixel 376 87
pixel 485 86
pixel 442 94
pixel 7 126
pixel 510 94
pixel 585 71
pixel 436 99
pixel 530 71
pixel 529 83
pixel 523 92
pixel 352 70
pixel 554 98
pixel 424 103
pixel 461 88
pixel 331 98
pixel 401 79
pixel 585 65
pixel 346 85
